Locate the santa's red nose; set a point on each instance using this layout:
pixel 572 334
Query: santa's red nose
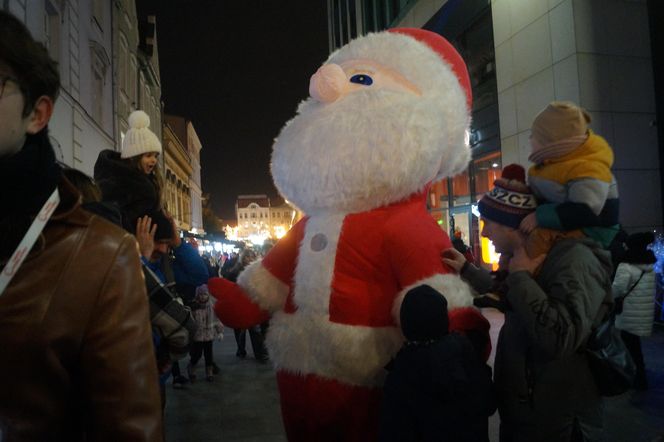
pixel 328 83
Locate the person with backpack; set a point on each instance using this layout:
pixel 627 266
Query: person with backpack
pixel 634 292
pixel 545 387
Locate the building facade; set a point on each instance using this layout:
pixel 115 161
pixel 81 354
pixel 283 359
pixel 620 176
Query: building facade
pixel 136 62
pixel 178 171
pixel 194 147
pixel 78 35
pixel 521 55
pixel 258 219
pixel 108 67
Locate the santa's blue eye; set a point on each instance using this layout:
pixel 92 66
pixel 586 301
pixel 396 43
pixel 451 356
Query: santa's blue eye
pixel 361 79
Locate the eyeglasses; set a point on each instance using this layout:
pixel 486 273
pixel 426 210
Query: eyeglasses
pixel 3 83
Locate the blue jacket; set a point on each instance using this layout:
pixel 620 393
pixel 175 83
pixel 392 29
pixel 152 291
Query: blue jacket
pixel 188 266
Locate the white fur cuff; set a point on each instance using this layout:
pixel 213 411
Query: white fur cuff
pixel 263 287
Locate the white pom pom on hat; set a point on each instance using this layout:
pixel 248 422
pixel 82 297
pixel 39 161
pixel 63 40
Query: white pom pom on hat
pixel 139 119
pixel 139 139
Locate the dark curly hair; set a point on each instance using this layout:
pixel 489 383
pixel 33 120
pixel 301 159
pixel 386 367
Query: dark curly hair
pixel 36 72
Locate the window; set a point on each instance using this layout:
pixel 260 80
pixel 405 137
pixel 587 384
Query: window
pixel 133 68
pixel 487 170
pixel 143 92
pixel 97 90
pixel 52 30
pixel 123 67
pixel 156 127
pixel 461 188
pixel 100 61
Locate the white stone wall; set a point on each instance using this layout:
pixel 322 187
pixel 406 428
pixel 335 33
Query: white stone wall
pixel 77 131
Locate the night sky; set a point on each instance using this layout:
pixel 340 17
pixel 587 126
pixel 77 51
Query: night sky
pixel 238 72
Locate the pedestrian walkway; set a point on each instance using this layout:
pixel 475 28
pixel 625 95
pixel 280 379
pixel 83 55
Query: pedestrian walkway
pixel 242 404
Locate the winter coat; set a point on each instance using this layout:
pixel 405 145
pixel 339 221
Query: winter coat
pixel 74 334
pixel 188 267
pixel 167 316
pixel 209 326
pixel 638 308
pixel 542 376
pixel 578 191
pixel 435 392
pixel 130 189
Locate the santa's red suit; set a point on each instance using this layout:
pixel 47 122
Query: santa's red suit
pixel 387 116
pixel 334 286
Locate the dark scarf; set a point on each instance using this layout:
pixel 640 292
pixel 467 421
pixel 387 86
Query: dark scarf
pixel 27 178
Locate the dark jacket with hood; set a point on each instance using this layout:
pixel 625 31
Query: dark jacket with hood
pixel 438 388
pixel 542 376
pixel 131 190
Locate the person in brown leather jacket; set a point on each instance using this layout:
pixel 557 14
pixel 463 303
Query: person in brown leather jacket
pixel 77 361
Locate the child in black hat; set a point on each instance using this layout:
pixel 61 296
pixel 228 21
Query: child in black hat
pixel 438 386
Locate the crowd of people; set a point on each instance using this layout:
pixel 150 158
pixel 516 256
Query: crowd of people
pixel 106 276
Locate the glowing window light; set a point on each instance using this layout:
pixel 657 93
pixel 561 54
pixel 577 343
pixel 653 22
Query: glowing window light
pixel 279 232
pixel 489 255
pixel 258 240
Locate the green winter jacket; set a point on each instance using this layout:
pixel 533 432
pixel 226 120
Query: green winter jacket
pixel 541 373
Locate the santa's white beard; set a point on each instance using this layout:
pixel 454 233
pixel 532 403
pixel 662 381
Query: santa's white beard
pixel 367 150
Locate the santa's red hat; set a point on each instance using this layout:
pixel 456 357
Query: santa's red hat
pixel 445 51
pixel 425 58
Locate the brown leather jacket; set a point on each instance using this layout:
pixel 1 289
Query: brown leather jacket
pixel 76 354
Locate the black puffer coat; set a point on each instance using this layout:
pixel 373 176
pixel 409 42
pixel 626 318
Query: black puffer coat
pixel 131 190
pixel 438 388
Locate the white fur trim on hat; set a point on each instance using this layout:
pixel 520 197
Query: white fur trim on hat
pixel 139 139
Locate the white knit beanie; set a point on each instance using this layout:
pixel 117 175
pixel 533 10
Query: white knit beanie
pixel 139 139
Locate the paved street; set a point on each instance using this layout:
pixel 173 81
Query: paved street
pixel 242 404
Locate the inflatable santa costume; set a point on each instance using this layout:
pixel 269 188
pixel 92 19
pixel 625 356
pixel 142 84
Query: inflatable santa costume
pixel 387 116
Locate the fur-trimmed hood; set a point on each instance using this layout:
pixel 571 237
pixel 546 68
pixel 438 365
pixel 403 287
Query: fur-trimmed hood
pixel 130 189
pixel 375 147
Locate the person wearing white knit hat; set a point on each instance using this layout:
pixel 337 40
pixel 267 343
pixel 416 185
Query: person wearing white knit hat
pixel 141 143
pixel 131 178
